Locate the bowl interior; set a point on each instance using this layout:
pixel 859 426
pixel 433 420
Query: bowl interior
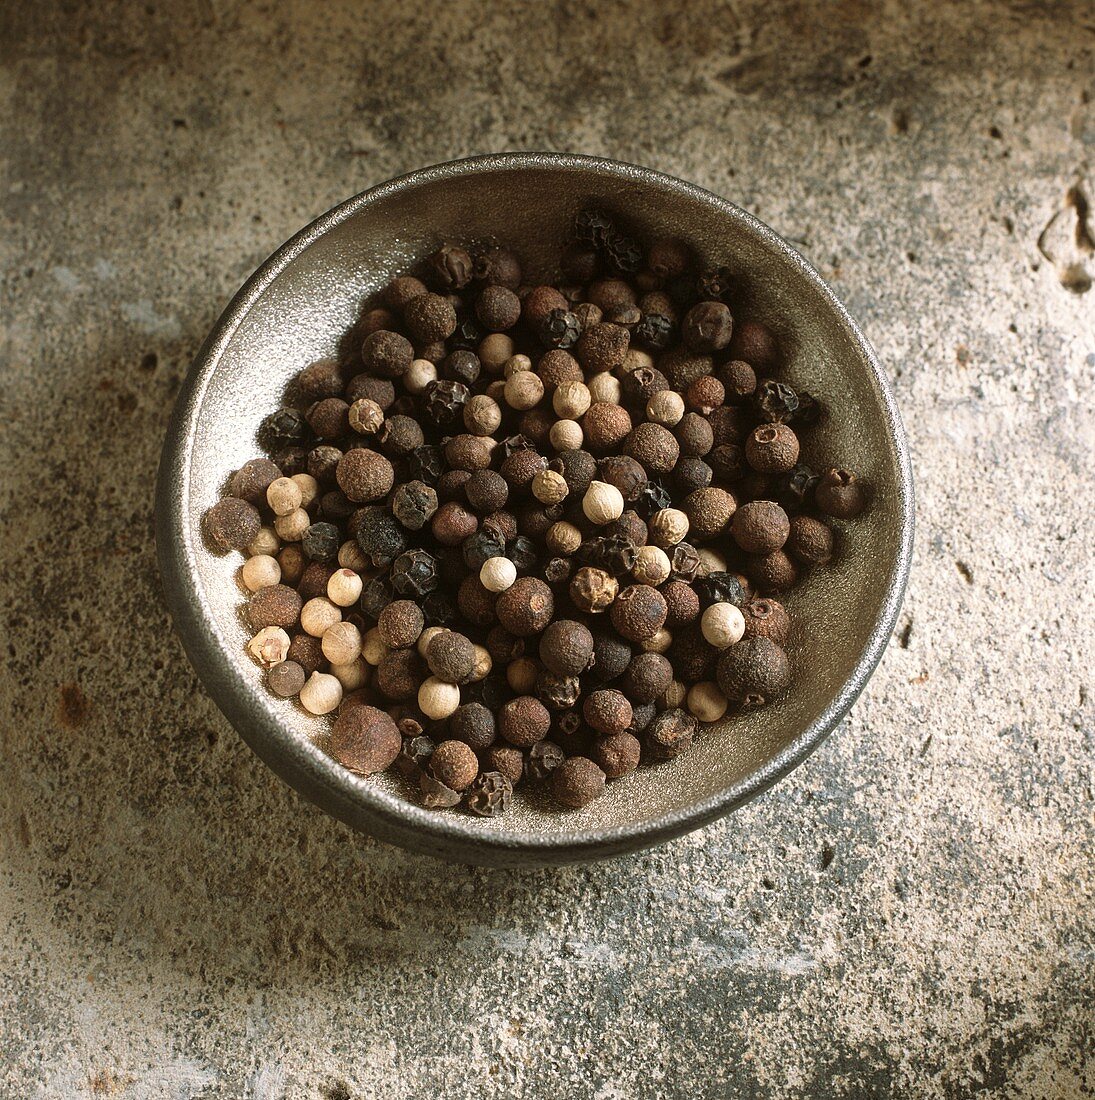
pixel 306 307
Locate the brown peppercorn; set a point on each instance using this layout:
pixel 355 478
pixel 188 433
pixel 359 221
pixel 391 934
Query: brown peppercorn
pixel 605 426
pixel 286 679
pixel 506 760
pixel 365 740
pixel 607 711
pixel 709 512
pixel 626 473
pixel 810 541
pixel 329 418
pixel 474 724
pixel 521 467
pixel 765 618
pixel 705 394
pixel 840 494
pixel 577 782
pixel 402 290
pixel 617 754
pixel 755 343
pixel 231 524
pixel 364 475
pixel 498 267
pixel 682 367
pixel 593 590
pixel 498 308
pixel 556 367
pixel 524 721
pixel 739 381
pixel 306 651
pixel 646 677
pixel 754 671
pixel 400 674
pixel 429 317
pixel 252 479
pixel 318 380
pixel 638 612
pixel 538 304
pixel 694 435
pixel 526 607
pixel 760 527
pixel 452 523
pixel 468 452
pixel 682 603
pixel 670 734
pixel 602 347
pixel 707 326
pixel 654 446
pixel 728 425
pixel 454 764
pixel 772 449
pixel 566 647
pixel 451 657
pixel 774 572
pixel 374 319
pixel 399 435
pixel 486 491
pixel 400 623
pixel 475 602
pixel 365 387
pixel 386 354
pixel 275 605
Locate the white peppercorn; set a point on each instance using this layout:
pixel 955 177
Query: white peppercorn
pixel 566 435
pixel 521 675
pixel 550 487
pixel 494 351
pixel 318 615
pixel 353 675
pixel 265 542
pixel 571 400
pixel 373 647
pixel 514 365
pixel 351 556
pixel 605 388
pixel 563 538
pixel 711 561
pixel 283 495
pixel 723 625
pixel 652 565
pixel 483 664
pixel 524 390
pixel 344 587
pixel 418 376
pixel 602 502
pixel 497 574
pixel 260 571
pixel 665 407
pixel 657 643
pixel 341 643
pixel 291 527
pixel 706 702
pixel 482 415
pixel 436 699
pixel 308 486
pixel 321 694
pixel 270 646
pixel 667 527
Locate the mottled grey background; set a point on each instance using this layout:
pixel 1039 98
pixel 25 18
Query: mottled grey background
pixel 909 914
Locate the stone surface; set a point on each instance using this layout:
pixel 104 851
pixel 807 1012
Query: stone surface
pixel 909 914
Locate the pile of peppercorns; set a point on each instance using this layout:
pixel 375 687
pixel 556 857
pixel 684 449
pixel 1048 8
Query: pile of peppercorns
pixel 533 533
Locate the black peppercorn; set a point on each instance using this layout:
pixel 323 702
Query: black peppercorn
pixel 727 461
pixel 653 497
pixel 414 755
pixel 522 552
pixel 379 535
pixel 794 490
pixel 322 462
pixel 490 794
pixel 414 574
pixel 444 400
pixel 282 428
pixel 655 332
pixel 474 724
pixel 376 595
pixel 461 366
pixel 413 504
pixel 450 267
pixel 684 561
pixel 468 335
pixel 488 542
pixel 558 692
pixel 425 464
pixel 435 795
pixel 438 609
pixel 486 491
pixel 721 587
pixel 560 329
pixel 669 734
pixel 543 758
pixel 558 570
pixel 321 542
pixel 775 402
pixel 707 327
pixel 615 555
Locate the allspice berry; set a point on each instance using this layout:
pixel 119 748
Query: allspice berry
pixel 755 343
pixel 709 512
pixel 526 607
pixel 605 426
pixel 760 527
pixel 739 381
pixel 399 674
pixel 682 603
pixel 274 605
pixel 607 711
pixel 524 721
pixel 498 308
pixel 670 734
pixel 774 572
pixel 705 394
pixel 577 782
pixel 617 754
pixel 840 494
pixel 646 677
pixel 766 618
pixel 754 671
pixel 638 612
pixel 602 347
pixel 451 657
pixel 400 623
pixel 364 475
pixel 695 435
pixel 231 524
pixel 365 740
pixel 452 523
pixel 566 647
pixel 474 724
pixel 809 541
pixel 386 354
pixel 654 446
pixel 454 764
pixel 772 449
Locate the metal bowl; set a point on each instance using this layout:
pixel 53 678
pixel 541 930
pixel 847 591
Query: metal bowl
pixel 294 310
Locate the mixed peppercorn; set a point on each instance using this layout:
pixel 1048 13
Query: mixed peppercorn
pixel 533 533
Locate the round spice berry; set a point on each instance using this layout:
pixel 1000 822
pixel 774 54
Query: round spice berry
pixel 607 711
pixel 231 524
pixel 665 408
pixel 695 435
pixel 705 394
pixel 400 673
pixel 380 390
pixel 566 647
pixel 755 343
pixel 754 671
pixel 497 574
pixel 473 724
pixel 341 643
pixel 669 734
pixel 654 446
pixel 605 426
pixel 286 679
pixel 707 327
pixel 526 607
pixel 400 435
pixel 523 390
pixel 760 527
pixel 506 762
pixel 321 693
pixel 521 467
pixel 524 721
pixel 417 377
pixel 638 612
pixel 617 754
pixel 593 590
pixel 270 646
pixel 682 603
pixel 452 523
pixel 307 651
pixel 667 527
pixel 454 764
pixel 604 389
pixel 400 623
pixel 772 449
pixel 451 267
pixel 429 317
pixel 651 566
pixel 840 494
pixel 438 699
pixel 451 657
pixel 722 624
pixel 577 782
pixel 706 702
pixel 810 541
pixel 774 572
pixel 739 381
pixel 566 435
pixel 766 618
pixel 602 347
pixel 646 677
pixel 364 475
pixel 366 416
pixel 550 487
pixel 709 512
pixel 402 290
pixel 365 740
pixel 602 503
pixel 260 571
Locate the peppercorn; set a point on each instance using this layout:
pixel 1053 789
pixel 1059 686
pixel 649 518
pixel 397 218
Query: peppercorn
pixel 578 469
pixel 321 542
pixel 810 541
pixel 727 462
pixel 654 446
pixel 497 574
pixel 365 740
pixel 523 390
pixel 260 571
pixel 379 535
pixel 694 435
pixel 474 724
pixel 269 647
pixel 655 331
pixel 646 677
pixel 454 764
pixel 414 754
pixel 364 475
pixel 450 485
pixel 665 408
pixel 526 607
pixel 840 494
pixel 617 754
pixel 754 671
pixel 691 474
pixel 772 448
pixel 723 625
pixel 602 503
pixel 607 711
pixel 521 675
pixel 402 290
pixel 444 400
pixel 486 543
pixel 305 651
pixel 524 721
pixel 775 402
pixel 491 792
pixel 593 590
pixel 498 267
pixel 435 795
pixel 282 428
pixel 577 782
pixel 638 612
pixel 450 267
pixel 251 482
pixel 772 572
pixel 452 523
pixel 667 527
pixel 522 550
pixel 290 460
pixel 520 468
pixel 400 624
pixel 285 679
pixel 400 435
pixel 561 329
pixel 558 692
pixel 438 609
pixel 231 524
pixel 566 647
pixel 605 426
pixel 669 734
pixel 451 657
pixel 414 574
pixel 365 387
pixel 706 702
pixel 386 354
pixel 322 463
pixel 707 326
pixel 429 317
pixel 766 618
pixel 365 416
pixel 543 758
pixel 739 381
pixel 413 504
pixel 755 343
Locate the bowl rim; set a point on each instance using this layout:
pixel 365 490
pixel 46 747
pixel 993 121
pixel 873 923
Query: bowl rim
pixel 357 801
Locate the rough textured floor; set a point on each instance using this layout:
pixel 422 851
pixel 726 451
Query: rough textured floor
pixel 909 914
